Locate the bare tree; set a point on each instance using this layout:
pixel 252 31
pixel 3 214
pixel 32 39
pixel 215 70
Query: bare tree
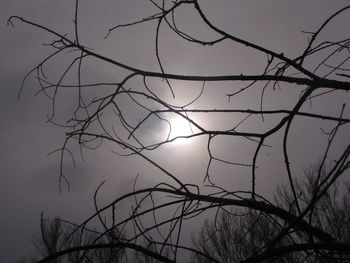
pixel 239 234
pixel 136 103
pixel 57 235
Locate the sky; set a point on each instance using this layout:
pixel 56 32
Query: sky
pixel 29 175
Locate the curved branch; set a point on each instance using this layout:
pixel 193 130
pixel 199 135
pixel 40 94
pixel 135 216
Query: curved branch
pixel 337 247
pixel 104 246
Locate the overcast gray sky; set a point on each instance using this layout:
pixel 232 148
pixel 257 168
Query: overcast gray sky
pixel 29 178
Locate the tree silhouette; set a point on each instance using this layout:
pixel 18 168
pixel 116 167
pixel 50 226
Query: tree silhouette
pixel 240 234
pixel 135 103
pixel 56 236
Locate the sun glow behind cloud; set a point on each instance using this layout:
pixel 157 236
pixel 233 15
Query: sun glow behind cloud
pixel 179 127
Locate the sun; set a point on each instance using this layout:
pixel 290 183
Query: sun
pixel 179 126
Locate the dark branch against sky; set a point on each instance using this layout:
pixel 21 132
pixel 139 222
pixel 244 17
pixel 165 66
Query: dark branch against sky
pixel 30 178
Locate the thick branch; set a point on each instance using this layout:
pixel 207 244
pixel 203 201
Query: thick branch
pixel 104 246
pixel 341 248
pixel 286 216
